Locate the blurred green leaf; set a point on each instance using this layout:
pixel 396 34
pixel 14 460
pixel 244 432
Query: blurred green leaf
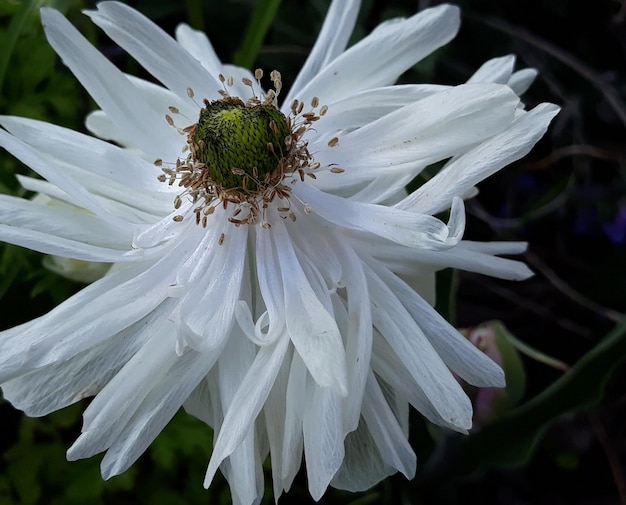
pixel 512 440
pixel 255 34
pixel 446 286
pixel 511 363
pixel 9 38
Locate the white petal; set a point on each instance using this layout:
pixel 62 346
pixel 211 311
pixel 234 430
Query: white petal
pixel 363 466
pixel 157 52
pixel 380 58
pixel 450 122
pixel 53 173
pixel 58 385
pixel 156 410
pixel 107 85
pixel 418 355
pixel 457 352
pixel 497 70
pixel 358 334
pixel 86 153
pixel 521 80
pixel 198 45
pixel 92 315
pixel 274 413
pixel 323 438
pixel 59 246
pixel 331 42
pixel 388 436
pixel 247 403
pixel 487 158
pixel 207 310
pixel 406 228
pixel 296 402
pixel 388 367
pixel 158 98
pixel 240 468
pixel 270 287
pixel 358 109
pixel 311 328
pixel 64 223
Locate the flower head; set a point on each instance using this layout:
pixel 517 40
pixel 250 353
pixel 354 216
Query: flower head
pixel 269 271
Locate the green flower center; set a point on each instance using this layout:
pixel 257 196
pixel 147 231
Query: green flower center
pixel 239 144
pixel 243 157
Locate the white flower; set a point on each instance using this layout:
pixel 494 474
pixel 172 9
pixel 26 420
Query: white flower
pixel 309 327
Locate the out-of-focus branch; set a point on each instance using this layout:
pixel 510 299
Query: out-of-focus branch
pixel 564 57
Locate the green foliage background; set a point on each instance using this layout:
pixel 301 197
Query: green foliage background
pixel 565 436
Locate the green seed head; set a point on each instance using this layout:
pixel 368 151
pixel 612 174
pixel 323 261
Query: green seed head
pixel 247 139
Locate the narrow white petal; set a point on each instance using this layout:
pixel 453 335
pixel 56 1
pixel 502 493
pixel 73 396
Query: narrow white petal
pixel 406 228
pixel 113 407
pixel 381 57
pixel 311 328
pixel 363 466
pixel 92 315
pixel 388 436
pixel 466 171
pixel 359 333
pixel 64 223
pixel 155 412
pixel 85 152
pixel 450 122
pixel 207 310
pixel 58 385
pixel 51 244
pixel 323 438
pixel 331 42
pixel 270 287
pixel 106 84
pixel 198 45
pixel 247 403
pixel 521 80
pixel 457 352
pixel 240 468
pixel 274 413
pixel 296 402
pixel 495 247
pixel 54 173
pixel 157 52
pixel 359 109
pixel 418 355
pixel 158 98
pixel 497 70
